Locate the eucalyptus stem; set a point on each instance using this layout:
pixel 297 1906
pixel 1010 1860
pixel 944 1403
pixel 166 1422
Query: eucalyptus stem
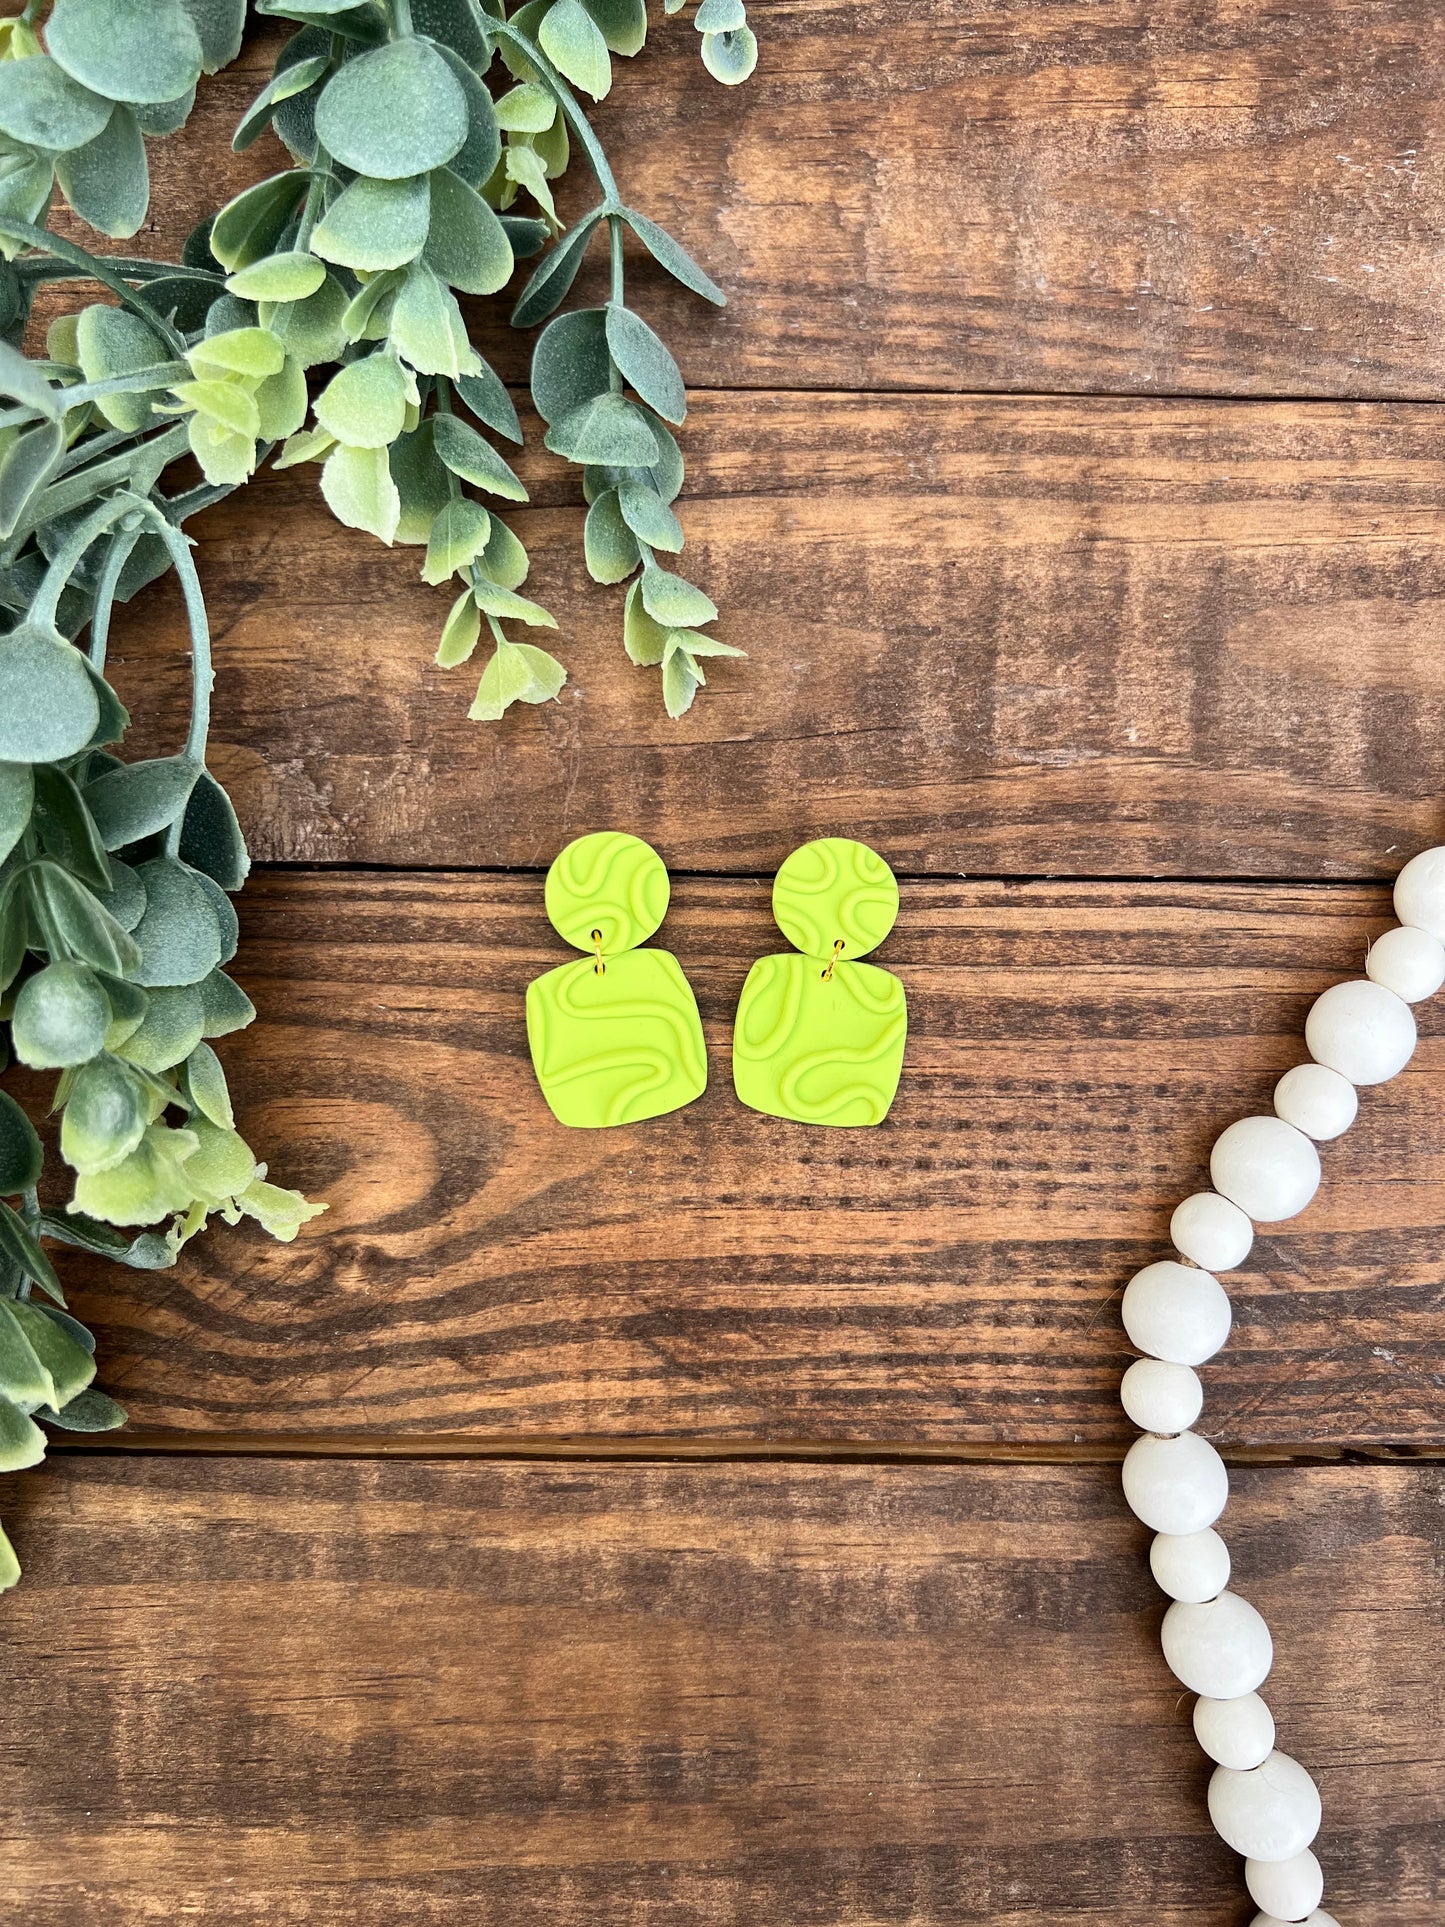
pixel 567 101
pixel 116 557
pixel 614 235
pixel 67 561
pixel 203 675
pixel 94 269
pixel 401 19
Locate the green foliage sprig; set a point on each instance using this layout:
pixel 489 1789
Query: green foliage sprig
pixel 336 278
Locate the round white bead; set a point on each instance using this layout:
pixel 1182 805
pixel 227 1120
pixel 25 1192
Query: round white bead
pixel 1409 962
pixel 1176 1312
pixel 1288 1889
pixel 1272 1813
pixel 1161 1398
pixel 1213 1232
pixel 1316 1100
pixel 1361 1030
pixel 1238 1733
pixel 1176 1485
pixel 1319 1918
pixel 1222 1649
pixel 1266 1166
pixel 1420 893
pixel 1193 1566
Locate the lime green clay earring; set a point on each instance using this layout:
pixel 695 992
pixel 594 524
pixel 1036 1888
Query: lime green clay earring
pixel 615 1036
pixel 820 1037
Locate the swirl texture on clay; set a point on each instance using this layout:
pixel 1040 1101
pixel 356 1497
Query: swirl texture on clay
pixel 835 891
pixel 819 1049
pixel 617 1047
pixel 610 882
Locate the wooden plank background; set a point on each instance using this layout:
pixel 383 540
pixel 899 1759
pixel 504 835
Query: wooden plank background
pixel 1066 460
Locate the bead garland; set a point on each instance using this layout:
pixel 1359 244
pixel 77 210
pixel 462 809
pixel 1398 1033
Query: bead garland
pixel 1264 1170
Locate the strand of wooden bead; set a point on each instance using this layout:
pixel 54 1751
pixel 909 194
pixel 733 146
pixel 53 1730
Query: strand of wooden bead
pixel 1264 1170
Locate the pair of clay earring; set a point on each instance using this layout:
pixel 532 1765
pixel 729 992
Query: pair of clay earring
pixel 615 1035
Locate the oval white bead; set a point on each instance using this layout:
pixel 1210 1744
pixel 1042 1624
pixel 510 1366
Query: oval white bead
pixel 1176 1485
pixel 1272 1813
pixel 1176 1312
pixel 1361 1030
pixel 1213 1232
pixel 1222 1649
pixel 1160 1397
pixel 1317 1101
pixel 1237 1733
pixel 1266 1166
pixel 1288 1889
pixel 1409 962
pixel 1420 893
pixel 1192 1566
pixel 1319 1918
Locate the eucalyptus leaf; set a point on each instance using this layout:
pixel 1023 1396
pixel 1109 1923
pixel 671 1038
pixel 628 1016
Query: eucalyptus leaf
pixel 527 234
pixel 730 57
pixel 20 1155
pixel 375 224
pixel 427 329
pixel 517 672
pixel 504 560
pixel 478 155
pixel 105 1115
pixel 460 631
pixel 364 403
pixel 227 921
pixel 281 402
pixel 60 1017
pixel 250 351
pixel 507 606
pixel 88 1411
pixel 249 227
pixel 48 705
pixel 144 1253
pixel 466 245
pixel 453 25
pixel 17 797
pixel 648 516
pixel 25 468
pixel 474 459
pixel 646 363
pixel 622 23
pixel 145 1187
pixel 310 331
pixel 130 50
pixel 360 492
pixel 571 363
pixel 571 38
pixel 178 936
pixel 138 799
pixel 458 536
pixel 22 380
pixel 672 256
pixel 608 543
pixel 22 1444
pixel 174 1024
pixel 67 822
pixel 70 1365
pixel 163 117
pixel 644 640
pixel 289 276
pixel 681 679
pixel 41 105
pixel 673 601
pixel 608 429
pixel 525 167
pixel 128 1007
pixel 211 838
pixel 205 1084
pixel 489 401
pixel 82 922
pixel 528 108
pixel 125 900
pixel 112 341
pixel 24 1380
pixel 282 86
pixel 396 111
pixel 422 483
pixel 219 25
pixel 19 1246
pixel 552 279
pixel 720 16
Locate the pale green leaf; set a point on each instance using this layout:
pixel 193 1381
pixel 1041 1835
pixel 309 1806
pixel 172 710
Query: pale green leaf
pixel 364 405
pixel 517 673
pixel 359 490
pixel 375 224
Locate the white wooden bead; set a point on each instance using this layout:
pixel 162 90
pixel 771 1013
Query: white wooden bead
pixel 1319 1918
pixel 1288 1889
pixel 1191 1565
pixel 1420 893
pixel 1222 1649
pixel 1161 1398
pixel 1213 1232
pixel 1176 1485
pixel 1272 1813
pixel 1176 1312
pixel 1238 1733
pixel 1361 1030
pixel 1317 1101
pixel 1266 1166
pixel 1409 962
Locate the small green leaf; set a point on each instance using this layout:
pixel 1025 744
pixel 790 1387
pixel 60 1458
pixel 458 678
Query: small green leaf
pixel 458 536
pixel 466 245
pixel 162 117
pixel 730 57
pixel 364 405
pixel 524 167
pixel 48 706
pixel 681 679
pixel 19 1246
pixel 43 107
pixel 146 1253
pixel 608 543
pixel 623 23
pixel 225 402
pixel 674 602
pixel 172 1027
pixel 26 467
pixel 277 1210
pixel 138 799
pixel 248 227
pixel 309 331
pixel 468 455
pixel 670 255
pixel 211 839
pixel 571 362
pixel 133 50
pixel 720 16
pixel 648 516
pixel 145 1187
pixel 308 445
pixel 82 921
pixel 22 1444
pixel 179 937
pixel 507 606
pixel 460 631
pixel 70 1365
pixel 376 224
pixel 20 1155
pixel 24 1380
pixel 290 276
pixel 570 37
pixel 106 1114
pixel 111 341
pixel 67 828
pixel 528 109
pixel 644 640
pixel 646 363
pixel 206 1085
pixel 60 1017
pixel 504 559
pixel 359 491
pixel 489 401
pixel 107 181
pixel 427 329
pixel 607 429
pixel 283 85
pixel 251 352
pixel 281 402
pixel 476 159
pixel 517 673
pixel 17 797
pixel 423 485
pixel 88 1411
pixel 552 278
pixel 396 111
pixel 226 457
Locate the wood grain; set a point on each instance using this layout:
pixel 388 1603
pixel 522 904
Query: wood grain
pixel 1000 636
pixel 661 1697
pixel 1072 195
pixel 950 1277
